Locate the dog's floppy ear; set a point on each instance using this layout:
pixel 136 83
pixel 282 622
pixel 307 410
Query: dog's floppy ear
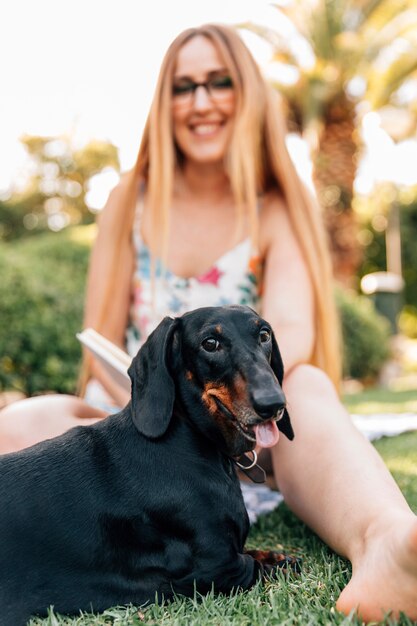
pixel 284 424
pixel 153 389
pixel 276 360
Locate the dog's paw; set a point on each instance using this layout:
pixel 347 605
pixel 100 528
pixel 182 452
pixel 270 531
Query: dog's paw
pixel 273 561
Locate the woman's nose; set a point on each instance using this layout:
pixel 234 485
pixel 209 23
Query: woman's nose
pixel 202 100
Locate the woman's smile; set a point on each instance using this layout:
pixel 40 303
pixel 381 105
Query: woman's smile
pixel 206 129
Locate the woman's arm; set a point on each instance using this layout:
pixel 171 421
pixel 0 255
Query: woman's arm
pixel 287 300
pixel 107 247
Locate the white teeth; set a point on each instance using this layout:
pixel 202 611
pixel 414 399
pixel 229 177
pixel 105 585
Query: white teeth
pixel 205 129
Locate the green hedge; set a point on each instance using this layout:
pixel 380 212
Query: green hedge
pixel 365 336
pixel 41 303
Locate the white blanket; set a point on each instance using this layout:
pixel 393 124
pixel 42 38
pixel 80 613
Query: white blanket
pixel 385 424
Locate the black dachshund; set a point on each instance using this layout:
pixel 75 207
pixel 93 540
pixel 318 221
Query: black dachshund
pixel 147 501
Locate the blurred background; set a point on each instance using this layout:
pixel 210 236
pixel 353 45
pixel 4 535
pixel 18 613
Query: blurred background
pixel 76 84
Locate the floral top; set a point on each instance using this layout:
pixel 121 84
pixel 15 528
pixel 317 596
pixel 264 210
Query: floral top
pixel 233 279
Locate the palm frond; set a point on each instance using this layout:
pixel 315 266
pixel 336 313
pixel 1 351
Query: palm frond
pixel 371 39
pixel 282 47
pixel 362 13
pixel 299 13
pixel 403 25
pixel 386 11
pixel 271 36
pixel 383 85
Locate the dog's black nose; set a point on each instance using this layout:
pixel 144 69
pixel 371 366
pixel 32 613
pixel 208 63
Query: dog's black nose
pixel 267 404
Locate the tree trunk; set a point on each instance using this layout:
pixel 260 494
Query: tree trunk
pixel 335 164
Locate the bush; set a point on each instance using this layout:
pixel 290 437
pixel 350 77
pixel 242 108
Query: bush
pixel 41 308
pixel 365 336
pixel 408 321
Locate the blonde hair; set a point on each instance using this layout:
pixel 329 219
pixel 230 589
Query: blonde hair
pixel 257 160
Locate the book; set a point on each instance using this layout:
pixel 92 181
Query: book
pixel 115 360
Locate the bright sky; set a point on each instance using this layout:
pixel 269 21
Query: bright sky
pixel 88 67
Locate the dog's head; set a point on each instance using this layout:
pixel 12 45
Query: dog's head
pixel 223 367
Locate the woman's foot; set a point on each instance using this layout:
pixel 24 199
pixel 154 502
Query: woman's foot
pixel 384 578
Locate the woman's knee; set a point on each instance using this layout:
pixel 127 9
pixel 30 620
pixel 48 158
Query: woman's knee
pixel 308 380
pixel 58 405
pixel 24 423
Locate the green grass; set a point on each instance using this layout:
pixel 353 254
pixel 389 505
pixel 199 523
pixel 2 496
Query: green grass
pixel 400 455
pixel 307 600
pixel 377 400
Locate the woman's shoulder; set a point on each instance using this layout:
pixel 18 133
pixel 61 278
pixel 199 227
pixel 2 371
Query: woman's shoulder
pixel 273 218
pixel 116 193
pixel 120 194
pixel 272 204
pixel 127 181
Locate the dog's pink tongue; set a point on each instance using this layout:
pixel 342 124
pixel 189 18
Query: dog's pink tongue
pixel 267 434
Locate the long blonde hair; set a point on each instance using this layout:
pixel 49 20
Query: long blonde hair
pixel 257 160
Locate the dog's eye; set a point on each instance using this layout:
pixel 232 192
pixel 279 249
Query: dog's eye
pixel 210 344
pixel 265 335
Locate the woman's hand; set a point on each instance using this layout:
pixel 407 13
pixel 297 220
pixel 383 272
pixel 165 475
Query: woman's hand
pixel 120 396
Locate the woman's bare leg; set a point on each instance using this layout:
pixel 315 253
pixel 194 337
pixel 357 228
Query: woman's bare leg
pixel 27 422
pixel 335 481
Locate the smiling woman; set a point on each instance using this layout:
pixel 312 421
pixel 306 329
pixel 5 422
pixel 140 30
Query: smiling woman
pixel 213 213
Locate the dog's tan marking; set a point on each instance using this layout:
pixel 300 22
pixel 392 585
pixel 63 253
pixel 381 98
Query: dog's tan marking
pixel 219 329
pixel 241 390
pixel 188 375
pixel 236 399
pixel 212 390
pixel 208 399
pixel 222 393
pixel 232 398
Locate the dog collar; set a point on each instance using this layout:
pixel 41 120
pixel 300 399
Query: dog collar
pixel 250 467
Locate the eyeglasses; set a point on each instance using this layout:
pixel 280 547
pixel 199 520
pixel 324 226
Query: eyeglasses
pixel 219 89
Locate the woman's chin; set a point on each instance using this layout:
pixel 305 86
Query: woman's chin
pixel 206 157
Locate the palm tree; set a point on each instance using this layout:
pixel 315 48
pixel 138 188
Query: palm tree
pixel 357 54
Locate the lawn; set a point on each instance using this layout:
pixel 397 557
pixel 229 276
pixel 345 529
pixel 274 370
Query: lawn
pixel 382 401
pixel 305 600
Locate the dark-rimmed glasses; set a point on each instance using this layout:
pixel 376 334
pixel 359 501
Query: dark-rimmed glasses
pixel 219 88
